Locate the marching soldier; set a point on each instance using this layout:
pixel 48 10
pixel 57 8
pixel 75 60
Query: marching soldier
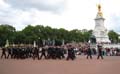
pixel 9 52
pixel 43 53
pixel 35 53
pixel 89 53
pixel 3 53
pixel 100 52
pixel 71 54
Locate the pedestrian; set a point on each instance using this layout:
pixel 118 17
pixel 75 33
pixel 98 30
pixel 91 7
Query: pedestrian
pixel 71 53
pixel 9 52
pixel 89 53
pixel 100 52
pixel 3 53
pixel 35 53
pixel 43 53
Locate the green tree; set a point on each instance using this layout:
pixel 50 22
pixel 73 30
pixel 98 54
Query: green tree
pixel 7 32
pixel 113 36
pixel 19 37
pixel 86 35
pixel 75 35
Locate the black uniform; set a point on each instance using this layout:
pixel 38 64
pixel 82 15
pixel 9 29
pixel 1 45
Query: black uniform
pixel 100 52
pixel 58 53
pixel 9 52
pixel 71 54
pixel 43 53
pixel 36 53
pixel 62 53
pixel 89 53
pixel 3 53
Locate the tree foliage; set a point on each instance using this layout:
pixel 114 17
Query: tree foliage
pixel 6 32
pixel 39 33
pixel 113 36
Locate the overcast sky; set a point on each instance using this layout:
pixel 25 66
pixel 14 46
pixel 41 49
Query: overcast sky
pixel 68 14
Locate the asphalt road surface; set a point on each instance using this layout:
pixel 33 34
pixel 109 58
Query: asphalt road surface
pixel 110 65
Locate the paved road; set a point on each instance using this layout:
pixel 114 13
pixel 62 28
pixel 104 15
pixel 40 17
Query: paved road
pixel 110 65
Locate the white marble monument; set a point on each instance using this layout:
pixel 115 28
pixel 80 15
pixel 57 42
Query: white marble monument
pixel 100 32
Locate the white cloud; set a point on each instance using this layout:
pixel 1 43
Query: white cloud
pixel 77 14
pixel 45 5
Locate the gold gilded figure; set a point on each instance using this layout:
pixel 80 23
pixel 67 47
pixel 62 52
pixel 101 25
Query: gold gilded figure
pixel 99 7
pixel 99 10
